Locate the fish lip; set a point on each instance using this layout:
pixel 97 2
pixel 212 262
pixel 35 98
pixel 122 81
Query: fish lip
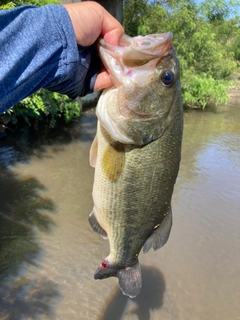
pixel 142 43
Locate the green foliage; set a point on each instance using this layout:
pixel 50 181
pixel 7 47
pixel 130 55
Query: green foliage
pixel 219 10
pixel 5 4
pixel 207 43
pixel 235 47
pixel 225 21
pixel 135 13
pixel 43 104
pixel 200 90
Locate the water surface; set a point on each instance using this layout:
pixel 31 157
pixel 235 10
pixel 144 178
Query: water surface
pixel 48 252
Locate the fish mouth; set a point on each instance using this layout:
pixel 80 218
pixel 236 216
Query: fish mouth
pixel 133 52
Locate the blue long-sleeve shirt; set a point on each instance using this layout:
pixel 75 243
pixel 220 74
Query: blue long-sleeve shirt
pixel 38 49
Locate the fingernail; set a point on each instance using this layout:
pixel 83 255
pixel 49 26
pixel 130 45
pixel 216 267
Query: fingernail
pixel 110 38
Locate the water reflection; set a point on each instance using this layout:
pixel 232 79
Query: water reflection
pixel 23 210
pixel 26 213
pixel 150 298
pixel 22 146
pixel 27 298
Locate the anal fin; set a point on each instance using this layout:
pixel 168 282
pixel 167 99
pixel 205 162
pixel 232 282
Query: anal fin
pixel 159 236
pixel 96 226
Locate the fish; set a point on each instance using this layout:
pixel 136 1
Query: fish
pixel 136 153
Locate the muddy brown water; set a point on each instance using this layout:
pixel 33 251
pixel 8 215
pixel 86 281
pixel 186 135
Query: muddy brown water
pixel 48 252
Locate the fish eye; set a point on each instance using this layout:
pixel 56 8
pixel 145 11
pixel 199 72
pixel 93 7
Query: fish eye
pixel 167 78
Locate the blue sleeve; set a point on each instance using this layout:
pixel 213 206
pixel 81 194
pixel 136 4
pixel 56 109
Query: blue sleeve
pixel 38 49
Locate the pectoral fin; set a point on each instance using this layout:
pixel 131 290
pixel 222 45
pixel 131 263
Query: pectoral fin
pixel 159 236
pixel 113 161
pixel 93 153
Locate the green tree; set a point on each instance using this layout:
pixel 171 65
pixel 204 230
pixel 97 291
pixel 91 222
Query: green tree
pixel 224 19
pixel 207 64
pixel 134 13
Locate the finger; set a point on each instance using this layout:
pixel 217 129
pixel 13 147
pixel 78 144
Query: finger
pixel 90 19
pixel 113 37
pixel 103 81
pixel 112 30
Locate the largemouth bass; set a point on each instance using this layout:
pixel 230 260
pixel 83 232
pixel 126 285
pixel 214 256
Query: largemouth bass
pixel 136 153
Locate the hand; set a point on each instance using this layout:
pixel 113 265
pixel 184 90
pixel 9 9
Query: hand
pixel 90 20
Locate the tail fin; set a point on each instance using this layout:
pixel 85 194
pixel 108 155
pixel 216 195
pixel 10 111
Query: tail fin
pixel 130 278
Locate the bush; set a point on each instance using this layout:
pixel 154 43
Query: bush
pixel 45 105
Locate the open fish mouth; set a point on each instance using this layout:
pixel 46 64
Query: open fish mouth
pixel 125 59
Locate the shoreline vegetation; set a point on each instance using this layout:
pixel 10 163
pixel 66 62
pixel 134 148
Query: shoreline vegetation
pixel 234 92
pixel 206 39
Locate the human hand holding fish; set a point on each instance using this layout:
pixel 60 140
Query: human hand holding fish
pixel 136 153
pixel 82 15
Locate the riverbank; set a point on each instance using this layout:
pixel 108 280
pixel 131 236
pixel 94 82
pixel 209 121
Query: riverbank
pixel 235 91
pixel 234 97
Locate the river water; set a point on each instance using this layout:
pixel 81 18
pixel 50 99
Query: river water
pixel 48 252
